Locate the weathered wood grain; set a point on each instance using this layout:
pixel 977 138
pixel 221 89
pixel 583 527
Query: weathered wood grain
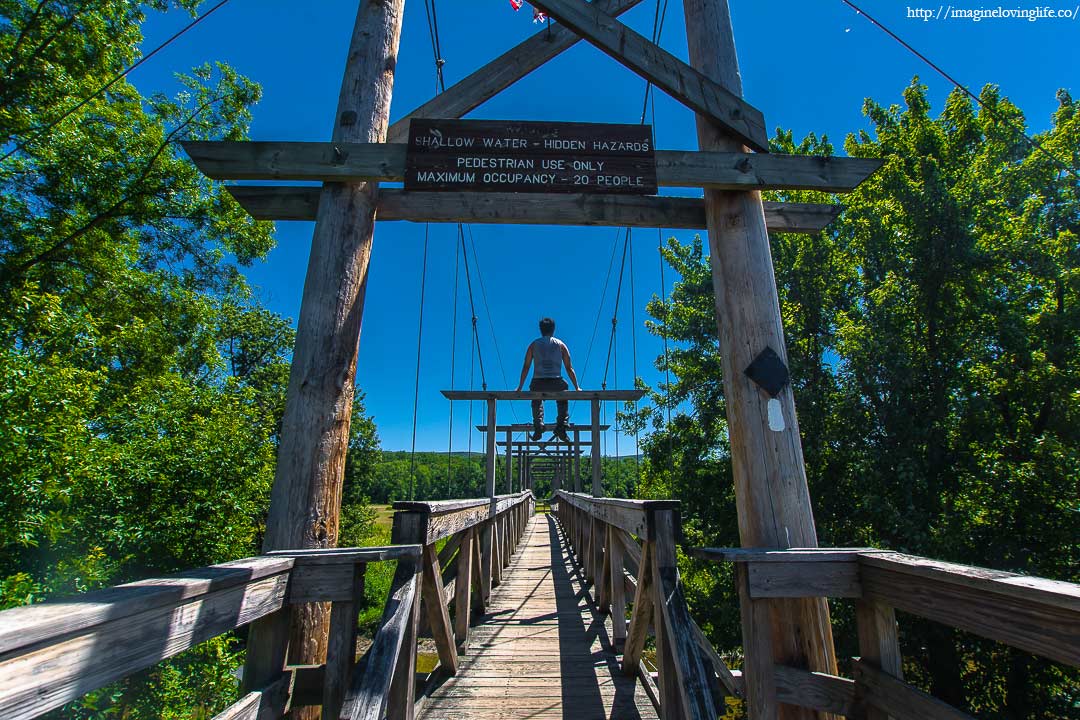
pixel 690 87
pixel 690 673
pixel 804 579
pixel 816 691
pixel 772 498
pixel 1041 617
pixel 759 678
pixel 438 616
pixel 499 74
pixel 266 704
pixel 353 162
pixel 33 624
pixel 37 678
pixel 341 644
pixel 785 555
pixel 462 594
pixel 346 556
pixel 896 699
pixel 302 203
pixel 371 681
pixel 641 617
pixel 305 501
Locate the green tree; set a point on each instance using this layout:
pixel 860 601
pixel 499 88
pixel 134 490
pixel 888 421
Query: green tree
pixel 932 335
pixel 140 383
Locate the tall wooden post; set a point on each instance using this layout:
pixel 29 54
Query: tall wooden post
pixel 770 479
pixel 306 499
pixel 509 468
pixel 577 461
pixel 489 466
pixel 597 477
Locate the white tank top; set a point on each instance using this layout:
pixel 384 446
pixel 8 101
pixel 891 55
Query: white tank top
pixel 547 357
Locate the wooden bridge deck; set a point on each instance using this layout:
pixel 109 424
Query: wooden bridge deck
pixel 541 651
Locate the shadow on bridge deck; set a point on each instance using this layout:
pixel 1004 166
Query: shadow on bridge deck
pixel 542 650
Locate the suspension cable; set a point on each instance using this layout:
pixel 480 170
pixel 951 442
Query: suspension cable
pixel 472 307
pixel 1032 142
pixel 416 388
pixel 487 312
pixel 453 365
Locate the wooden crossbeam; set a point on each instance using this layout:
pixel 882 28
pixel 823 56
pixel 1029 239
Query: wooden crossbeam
pixel 341 162
pixel 527 427
pixel 301 203
pixel 667 72
pixel 535 395
pixel 499 74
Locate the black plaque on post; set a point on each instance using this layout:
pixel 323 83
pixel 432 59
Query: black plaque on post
pixel 520 156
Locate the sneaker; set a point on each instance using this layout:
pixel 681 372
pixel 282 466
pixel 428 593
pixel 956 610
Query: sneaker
pixel 560 433
pixel 536 435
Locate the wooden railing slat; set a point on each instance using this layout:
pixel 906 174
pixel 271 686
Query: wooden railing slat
pixel 894 698
pixel 49 675
pixel 341 645
pixel 265 704
pixel 817 691
pixel 33 624
pixel 369 691
pixel 434 603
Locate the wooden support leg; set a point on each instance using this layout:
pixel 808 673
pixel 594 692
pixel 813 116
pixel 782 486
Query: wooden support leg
pixel 487 535
pixel 341 646
pixel 671 705
pixel 462 594
pixel 879 647
pixel 690 676
pixel 617 589
pixel 496 552
pixel 603 581
pixel 758 678
pixel 438 616
pixel 479 601
pixel 643 611
pixel 402 699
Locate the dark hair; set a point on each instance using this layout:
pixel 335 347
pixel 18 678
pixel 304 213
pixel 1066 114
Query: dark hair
pixel 547 327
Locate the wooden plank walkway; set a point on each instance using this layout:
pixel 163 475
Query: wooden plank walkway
pixel 541 651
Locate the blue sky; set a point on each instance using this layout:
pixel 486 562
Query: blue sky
pixel 806 66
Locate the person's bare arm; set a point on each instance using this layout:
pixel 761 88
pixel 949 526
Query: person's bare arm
pixel 525 368
pixel 569 367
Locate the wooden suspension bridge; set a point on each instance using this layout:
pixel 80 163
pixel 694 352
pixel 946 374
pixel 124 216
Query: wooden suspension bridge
pixel 536 614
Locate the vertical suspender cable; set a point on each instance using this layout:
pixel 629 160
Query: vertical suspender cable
pixel 416 389
pixel 453 366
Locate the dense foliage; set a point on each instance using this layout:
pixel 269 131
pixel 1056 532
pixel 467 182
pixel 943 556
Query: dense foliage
pixel 933 336
pixel 140 384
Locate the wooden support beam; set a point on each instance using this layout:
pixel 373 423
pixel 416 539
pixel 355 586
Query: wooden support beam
pixel 597 487
pixel 305 501
pixel 687 85
pixel 489 466
pixel 691 676
pixel 642 611
pixel 896 699
pixel 617 587
pixel 879 645
pixel 438 616
pixel 500 73
pixel 772 497
pixel 373 686
pixel 341 644
pixel 356 162
pixel 301 203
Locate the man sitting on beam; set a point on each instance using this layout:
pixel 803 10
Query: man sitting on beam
pixel 548 355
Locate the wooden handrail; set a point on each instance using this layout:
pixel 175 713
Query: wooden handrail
pixel 53 653
pixel 633 516
pixel 600 533
pixel 482 535
pixel 1033 614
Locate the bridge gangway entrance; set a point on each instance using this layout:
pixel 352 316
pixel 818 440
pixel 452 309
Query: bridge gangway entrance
pixel 543 649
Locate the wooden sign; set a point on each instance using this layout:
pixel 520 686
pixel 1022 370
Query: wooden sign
pixel 518 156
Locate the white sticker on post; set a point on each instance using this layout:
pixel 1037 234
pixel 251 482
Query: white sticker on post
pixel 776 416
